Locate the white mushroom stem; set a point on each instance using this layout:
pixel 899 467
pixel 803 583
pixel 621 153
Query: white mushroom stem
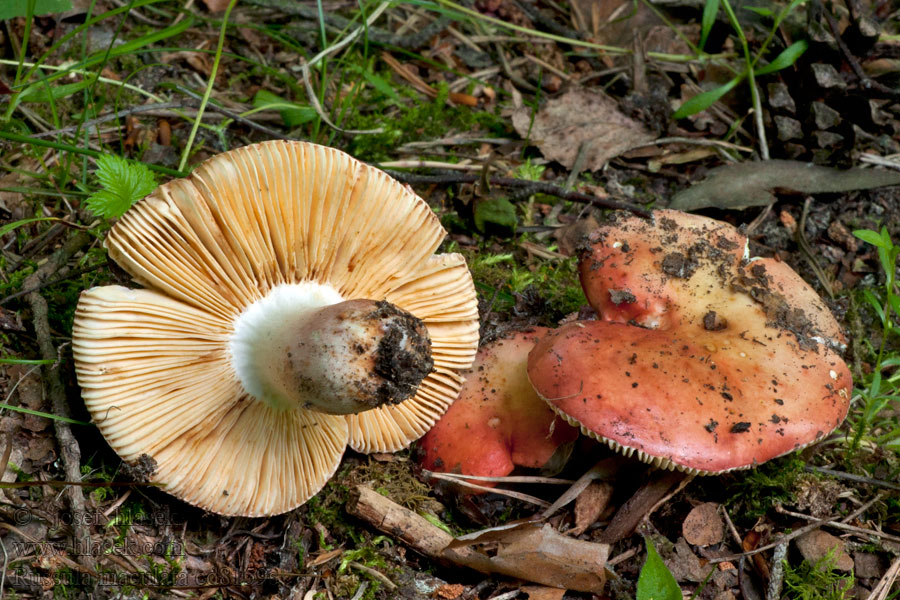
pixel 302 346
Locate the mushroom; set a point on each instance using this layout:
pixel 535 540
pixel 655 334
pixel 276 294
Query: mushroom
pixel 292 305
pixel 498 421
pixel 703 360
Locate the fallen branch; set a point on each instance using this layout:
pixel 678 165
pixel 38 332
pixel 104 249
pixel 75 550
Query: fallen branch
pixel 532 551
pixel 530 187
pixel 68 445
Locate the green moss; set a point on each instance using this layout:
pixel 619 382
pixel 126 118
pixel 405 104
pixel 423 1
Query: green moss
pixel 550 289
pixel 817 581
pixel 417 120
pixel 755 491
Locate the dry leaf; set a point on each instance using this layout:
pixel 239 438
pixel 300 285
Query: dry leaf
pixel 581 117
pixel 215 6
pixel 748 184
pixel 570 237
pixel 703 525
pixel 817 544
pixel 540 592
pixel 536 553
pixel 590 504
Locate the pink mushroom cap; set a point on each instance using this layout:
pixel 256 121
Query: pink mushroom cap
pixel 498 421
pixel 703 360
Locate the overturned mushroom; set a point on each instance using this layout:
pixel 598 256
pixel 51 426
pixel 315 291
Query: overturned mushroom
pixel 703 360
pixel 498 421
pixel 293 305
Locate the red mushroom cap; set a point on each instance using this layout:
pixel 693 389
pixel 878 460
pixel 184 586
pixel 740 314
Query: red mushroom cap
pixel 498 421
pixel 734 361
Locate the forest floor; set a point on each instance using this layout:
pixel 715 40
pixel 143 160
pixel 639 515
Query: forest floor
pixel 585 104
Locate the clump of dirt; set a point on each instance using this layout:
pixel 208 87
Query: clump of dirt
pixel 403 357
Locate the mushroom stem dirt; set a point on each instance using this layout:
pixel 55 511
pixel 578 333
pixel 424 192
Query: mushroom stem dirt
pixel 300 348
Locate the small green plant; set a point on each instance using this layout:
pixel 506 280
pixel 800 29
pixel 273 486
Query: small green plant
pixel 124 183
pixel 785 59
pixel 877 393
pixel 656 582
pixel 818 581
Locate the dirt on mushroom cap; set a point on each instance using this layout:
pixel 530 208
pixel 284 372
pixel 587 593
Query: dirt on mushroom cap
pixel 703 359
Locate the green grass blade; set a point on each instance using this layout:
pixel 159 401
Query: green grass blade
pixel 24 361
pixel 15 224
pixel 209 86
pixel 38 413
pixel 710 10
pixel 98 58
pixel 787 58
pixel 704 100
pixel 10 9
pixel 24 139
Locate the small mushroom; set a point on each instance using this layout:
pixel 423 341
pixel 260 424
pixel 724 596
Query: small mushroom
pixel 293 305
pixel 703 360
pixel 498 421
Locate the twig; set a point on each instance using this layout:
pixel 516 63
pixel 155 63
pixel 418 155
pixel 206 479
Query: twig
pixel 605 469
pixel 236 117
pixel 776 573
pixel 788 537
pixel 852 477
pixel 841 525
pixel 530 187
pixel 360 590
pixel 68 445
pixel 692 142
pixel 52 281
pixel 865 81
pixel 374 573
pixel 883 587
pixel 307 83
pixel 507 479
pixel 483 488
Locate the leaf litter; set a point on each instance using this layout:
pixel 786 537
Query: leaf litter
pixel 581 111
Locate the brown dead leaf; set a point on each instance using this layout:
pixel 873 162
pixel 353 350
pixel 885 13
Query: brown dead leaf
pixel 579 118
pixel 817 544
pixel 215 6
pixel 703 525
pixel 590 504
pixel 742 185
pixel 535 552
pixel 540 592
pixel 568 237
pixel 10 321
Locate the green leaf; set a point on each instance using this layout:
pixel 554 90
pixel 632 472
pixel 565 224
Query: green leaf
pixel 49 92
pixel 656 581
pixel 293 115
pixel 710 10
pixel 870 237
pixel 499 211
pixel 24 361
pixel 123 182
pixel 15 224
pixel 381 85
pixel 704 100
pixel 763 12
pixel 38 413
pixel 10 9
pixel 787 58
